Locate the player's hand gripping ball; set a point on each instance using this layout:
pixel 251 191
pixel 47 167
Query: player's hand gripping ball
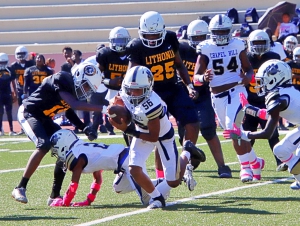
pixel 116 112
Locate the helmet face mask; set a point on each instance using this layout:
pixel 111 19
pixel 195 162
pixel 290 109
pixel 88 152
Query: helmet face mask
pixel 87 78
pixel 61 143
pixel 152 29
pixel 118 38
pixel 137 85
pixel 3 61
pixel 296 55
pixel 258 42
pixel 197 32
pixel 21 53
pixel 271 74
pixel 220 28
pixel 290 43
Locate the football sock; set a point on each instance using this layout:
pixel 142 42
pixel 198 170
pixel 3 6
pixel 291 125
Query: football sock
pixel 59 175
pixel 23 182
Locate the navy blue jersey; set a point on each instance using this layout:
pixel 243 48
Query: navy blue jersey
pixel 46 101
pixel 19 70
pixel 114 65
pixel 296 73
pixel 189 57
pixel 6 76
pixel 256 63
pixel 159 60
pixel 34 76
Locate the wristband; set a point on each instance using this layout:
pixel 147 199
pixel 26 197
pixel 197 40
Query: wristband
pixel 191 86
pixel 91 197
pixel 201 78
pixel 262 114
pixel 251 110
pixel 95 186
pixel 132 132
pixel 69 195
pixel 106 81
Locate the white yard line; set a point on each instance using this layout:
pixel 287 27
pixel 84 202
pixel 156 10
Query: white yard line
pixel 22 169
pixel 144 210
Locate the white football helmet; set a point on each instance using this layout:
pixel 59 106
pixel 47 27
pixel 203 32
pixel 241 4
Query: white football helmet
pixel 138 77
pixel 152 23
pixel 272 74
pixel 196 32
pixel 87 78
pixel 61 143
pixel 258 42
pixel 290 43
pixel 3 61
pixel 220 28
pixel 118 39
pixel 296 55
pixel 21 53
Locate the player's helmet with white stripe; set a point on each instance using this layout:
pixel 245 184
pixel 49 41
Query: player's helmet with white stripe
pixel 296 55
pixel 137 84
pixel 61 143
pixel 152 23
pixel 271 74
pixel 87 78
pixel 258 42
pixel 196 32
pixel 220 28
pixel 118 39
pixel 21 53
pixel 290 43
pixel 3 61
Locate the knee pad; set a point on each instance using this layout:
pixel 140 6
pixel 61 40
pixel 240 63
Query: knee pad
pixel 208 133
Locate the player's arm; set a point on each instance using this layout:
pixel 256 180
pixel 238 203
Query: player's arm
pixel 246 67
pixel 201 73
pixel 78 105
pixel 76 173
pixel 26 85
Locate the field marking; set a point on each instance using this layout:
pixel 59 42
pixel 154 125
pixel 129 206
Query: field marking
pixel 221 192
pixel 22 169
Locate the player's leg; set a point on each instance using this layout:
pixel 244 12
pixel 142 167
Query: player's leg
pixel 38 132
pixel 1 115
pixel 206 116
pixel 8 109
pixel 139 153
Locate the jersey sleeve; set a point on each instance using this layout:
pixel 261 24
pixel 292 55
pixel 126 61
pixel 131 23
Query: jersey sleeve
pixel 62 81
pixel 273 100
pixel 172 39
pixel 156 109
pixel 101 56
pixel 133 51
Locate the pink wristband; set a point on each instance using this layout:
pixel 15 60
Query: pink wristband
pixel 91 197
pixel 95 186
pixel 262 114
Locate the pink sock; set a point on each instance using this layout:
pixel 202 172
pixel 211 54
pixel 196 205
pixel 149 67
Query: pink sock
pixel 159 173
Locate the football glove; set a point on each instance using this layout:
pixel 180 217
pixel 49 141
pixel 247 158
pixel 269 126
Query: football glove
pixel 90 133
pixel 236 134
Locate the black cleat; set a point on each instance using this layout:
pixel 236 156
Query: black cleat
pixel 224 172
pixel 157 202
pixel 196 153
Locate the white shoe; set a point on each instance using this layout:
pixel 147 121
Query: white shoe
pixel 19 194
pixel 158 202
pixel 246 175
pixel 188 177
pixel 12 133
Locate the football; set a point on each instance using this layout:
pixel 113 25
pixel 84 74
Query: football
pixel 116 112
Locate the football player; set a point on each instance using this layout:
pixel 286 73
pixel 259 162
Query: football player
pixel 7 95
pixel 157 49
pixel 224 64
pixel 113 64
pixel 197 31
pixel 61 92
pixel 289 44
pixel 282 100
pixel 258 53
pixel 81 157
pixel 18 67
pixel 34 75
pixel 295 66
pixel 153 129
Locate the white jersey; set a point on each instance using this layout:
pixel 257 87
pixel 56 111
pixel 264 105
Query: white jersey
pixel 223 60
pixel 98 156
pixel 149 109
pixel 291 113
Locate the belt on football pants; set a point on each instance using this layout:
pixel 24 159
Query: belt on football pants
pixel 224 94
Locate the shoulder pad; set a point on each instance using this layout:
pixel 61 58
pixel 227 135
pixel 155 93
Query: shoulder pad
pixel 202 45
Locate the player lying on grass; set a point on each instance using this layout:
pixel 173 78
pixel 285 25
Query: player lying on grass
pixel 282 100
pixel 81 157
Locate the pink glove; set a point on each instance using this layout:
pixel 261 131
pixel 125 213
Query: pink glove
pixel 236 134
pixel 78 204
pixel 243 100
pixel 57 202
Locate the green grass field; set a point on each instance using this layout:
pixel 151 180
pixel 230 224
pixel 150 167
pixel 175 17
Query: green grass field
pixel 213 202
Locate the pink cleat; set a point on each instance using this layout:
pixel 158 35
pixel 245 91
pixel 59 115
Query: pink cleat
pixel 246 175
pixel 84 203
pixel 57 202
pixel 257 167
